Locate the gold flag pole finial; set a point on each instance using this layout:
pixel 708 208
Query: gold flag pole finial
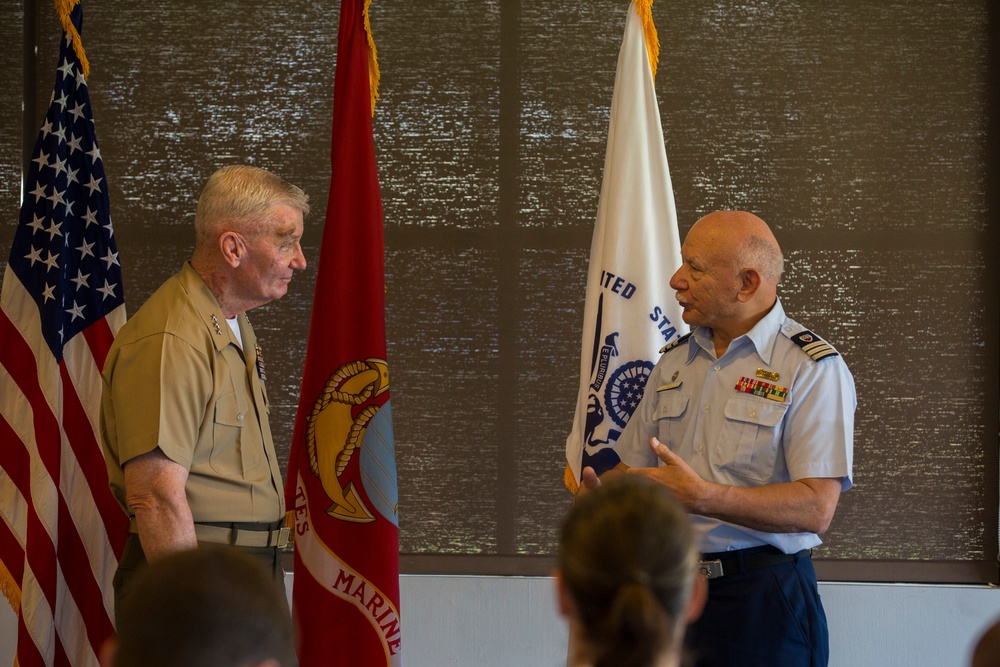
pixel 373 75
pixel 645 10
pixel 64 8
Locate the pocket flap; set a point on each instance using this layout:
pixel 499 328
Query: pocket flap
pixel 671 405
pixel 227 411
pixel 758 411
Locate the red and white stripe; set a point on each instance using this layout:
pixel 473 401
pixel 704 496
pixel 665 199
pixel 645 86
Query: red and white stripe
pixel 62 531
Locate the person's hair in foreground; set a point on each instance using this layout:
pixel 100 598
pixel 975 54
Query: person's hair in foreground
pixel 205 607
pixel 986 652
pixel 628 575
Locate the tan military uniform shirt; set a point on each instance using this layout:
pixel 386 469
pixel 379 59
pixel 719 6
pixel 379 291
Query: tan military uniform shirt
pixel 176 378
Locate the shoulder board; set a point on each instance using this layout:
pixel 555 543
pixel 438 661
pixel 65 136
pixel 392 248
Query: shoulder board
pixel 670 346
pixel 813 345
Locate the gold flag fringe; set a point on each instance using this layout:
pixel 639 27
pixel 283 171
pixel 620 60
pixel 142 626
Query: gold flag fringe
pixel 373 74
pixel 10 589
pixel 645 10
pixel 570 480
pixel 64 8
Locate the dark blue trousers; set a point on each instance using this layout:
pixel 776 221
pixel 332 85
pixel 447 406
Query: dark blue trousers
pixel 768 617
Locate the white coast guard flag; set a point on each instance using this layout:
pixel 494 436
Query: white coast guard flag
pixel 631 312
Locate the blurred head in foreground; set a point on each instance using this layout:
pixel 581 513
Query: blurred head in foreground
pixel 986 652
pixel 206 607
pixel 627 575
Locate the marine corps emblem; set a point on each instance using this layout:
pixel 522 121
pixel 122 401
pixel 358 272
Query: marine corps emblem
pixel 348 407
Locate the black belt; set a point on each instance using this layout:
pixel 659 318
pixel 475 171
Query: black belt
pixel 723 563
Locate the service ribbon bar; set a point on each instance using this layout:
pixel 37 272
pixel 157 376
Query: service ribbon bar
pixel 764 389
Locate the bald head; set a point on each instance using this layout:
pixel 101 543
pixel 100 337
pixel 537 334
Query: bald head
pixel 729 276
pixel 746 239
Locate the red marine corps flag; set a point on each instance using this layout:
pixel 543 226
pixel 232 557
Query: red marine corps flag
pixel 61 530
pixel 342 471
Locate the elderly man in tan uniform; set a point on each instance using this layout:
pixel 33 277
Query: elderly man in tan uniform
pixel 184 415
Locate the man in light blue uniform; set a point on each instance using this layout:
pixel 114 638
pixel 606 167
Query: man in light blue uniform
pixel 749 421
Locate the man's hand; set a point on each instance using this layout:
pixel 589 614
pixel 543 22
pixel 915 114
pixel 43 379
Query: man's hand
pixel 804 506
pixel 589 479
pixel 676 475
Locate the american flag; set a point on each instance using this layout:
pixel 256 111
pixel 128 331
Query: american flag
pixel 61 304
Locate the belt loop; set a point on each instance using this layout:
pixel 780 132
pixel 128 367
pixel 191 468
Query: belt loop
pixel 740 556
pixel 234 536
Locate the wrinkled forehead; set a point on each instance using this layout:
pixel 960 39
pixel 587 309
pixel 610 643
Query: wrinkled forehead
pixel 285 221
pixel 710 241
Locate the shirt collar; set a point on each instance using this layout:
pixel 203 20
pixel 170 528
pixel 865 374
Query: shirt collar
pixel 207 306
pixel 762 336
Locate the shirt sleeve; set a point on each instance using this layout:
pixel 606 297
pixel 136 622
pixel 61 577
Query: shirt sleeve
pixel 160 389
pixel 818 437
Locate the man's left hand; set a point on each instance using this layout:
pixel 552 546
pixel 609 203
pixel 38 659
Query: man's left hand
pixel 675 474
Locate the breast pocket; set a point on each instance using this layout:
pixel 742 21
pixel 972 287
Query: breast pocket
pixel 227 437
pixel 751 437
pixel 669 414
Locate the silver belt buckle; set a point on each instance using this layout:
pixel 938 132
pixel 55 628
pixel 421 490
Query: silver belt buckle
pixel 710 569
pixel 283 536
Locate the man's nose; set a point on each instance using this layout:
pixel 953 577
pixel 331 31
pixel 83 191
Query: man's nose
pixel 299 261
pixel 677 281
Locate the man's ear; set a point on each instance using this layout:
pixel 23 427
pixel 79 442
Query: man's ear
pixel 106 654
pixel 563 599
pixel 749 284
pixel 232 247
pixel 699 596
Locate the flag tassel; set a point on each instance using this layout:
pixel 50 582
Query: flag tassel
pixel 64 8
pixel 373 73
pixel 645 10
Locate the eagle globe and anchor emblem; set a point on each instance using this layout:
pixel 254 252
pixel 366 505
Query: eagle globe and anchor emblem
pixel 351 417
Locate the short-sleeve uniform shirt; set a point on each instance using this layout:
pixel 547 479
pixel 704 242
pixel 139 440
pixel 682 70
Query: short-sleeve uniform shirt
pixel 778 406
pixel 177 378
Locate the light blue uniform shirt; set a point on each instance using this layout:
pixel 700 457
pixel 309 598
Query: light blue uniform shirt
pixel 692 404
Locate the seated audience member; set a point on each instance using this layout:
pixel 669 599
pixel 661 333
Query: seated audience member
pixel 207 607
pixel 987 650
pixel 627 576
